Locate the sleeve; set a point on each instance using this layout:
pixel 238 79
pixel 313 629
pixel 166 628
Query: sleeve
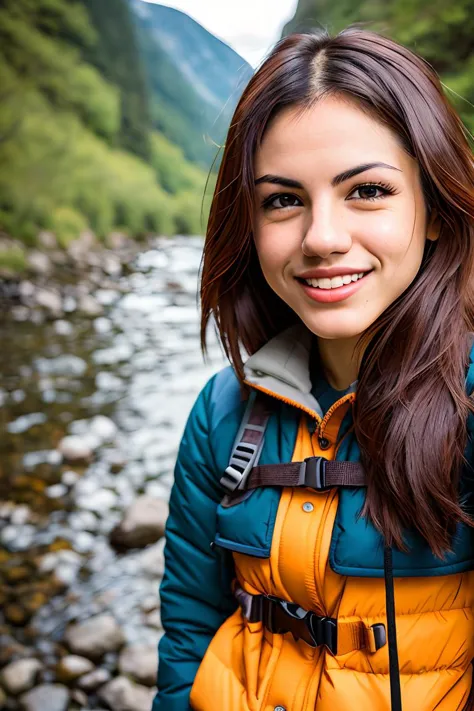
pixel 196 597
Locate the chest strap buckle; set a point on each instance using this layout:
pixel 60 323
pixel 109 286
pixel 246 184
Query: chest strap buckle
pixel 313 473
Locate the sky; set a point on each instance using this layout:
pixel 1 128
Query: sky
pixel 251 27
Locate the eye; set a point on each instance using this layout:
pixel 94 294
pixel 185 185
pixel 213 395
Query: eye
pixel 286 200
pixel 371 189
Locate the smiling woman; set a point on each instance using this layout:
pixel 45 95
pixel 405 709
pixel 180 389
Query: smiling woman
pixel 320 543
pixel 336 224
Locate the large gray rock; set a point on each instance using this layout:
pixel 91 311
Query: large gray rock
pixel 95 637
pixel 143 523
pixel 19 676
pixel 72 667
pixel 52 697
pixel 139 661
pixel 123 695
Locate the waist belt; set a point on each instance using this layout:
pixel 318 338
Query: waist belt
pixel 279 617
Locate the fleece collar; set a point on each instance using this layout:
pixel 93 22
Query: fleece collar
pixel 281 366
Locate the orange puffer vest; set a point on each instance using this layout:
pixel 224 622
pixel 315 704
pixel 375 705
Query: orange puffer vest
pixel 248 668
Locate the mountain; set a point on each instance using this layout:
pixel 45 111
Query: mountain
pixel 109 117
pixel 194 79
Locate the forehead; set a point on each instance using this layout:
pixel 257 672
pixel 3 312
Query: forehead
pixel 334 132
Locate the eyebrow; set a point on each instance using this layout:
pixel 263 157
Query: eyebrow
pixel 337 180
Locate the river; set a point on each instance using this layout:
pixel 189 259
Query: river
pixel 126 378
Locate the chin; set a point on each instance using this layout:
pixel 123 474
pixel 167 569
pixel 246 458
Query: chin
pixel 334 327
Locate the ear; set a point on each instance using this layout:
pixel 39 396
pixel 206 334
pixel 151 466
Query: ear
pixel 434 226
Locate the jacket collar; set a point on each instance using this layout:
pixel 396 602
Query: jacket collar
pixel 282 367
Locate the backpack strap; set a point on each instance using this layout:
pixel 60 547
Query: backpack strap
pixel 248 442
pixel 243 474
pixel 316 472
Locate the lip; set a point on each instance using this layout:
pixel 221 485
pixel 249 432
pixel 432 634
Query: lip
pixel 329 272
pixel 330 296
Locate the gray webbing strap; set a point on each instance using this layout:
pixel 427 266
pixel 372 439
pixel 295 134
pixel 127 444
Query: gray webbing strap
pixel 248 442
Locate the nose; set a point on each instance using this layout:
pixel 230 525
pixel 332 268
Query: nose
pixel 324 233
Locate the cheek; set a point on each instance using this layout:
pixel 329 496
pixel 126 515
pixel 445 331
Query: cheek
pixel 395 241
pixel 274 248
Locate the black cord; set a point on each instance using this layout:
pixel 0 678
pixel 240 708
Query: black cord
pixel 395 691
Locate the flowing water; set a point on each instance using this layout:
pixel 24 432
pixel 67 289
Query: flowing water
pixel 127 379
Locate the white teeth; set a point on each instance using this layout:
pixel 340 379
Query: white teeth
pixel 335 282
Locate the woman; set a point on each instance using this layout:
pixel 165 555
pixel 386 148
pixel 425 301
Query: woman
pixel 339 256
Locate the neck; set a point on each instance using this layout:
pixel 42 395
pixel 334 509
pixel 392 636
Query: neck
pixel 339 361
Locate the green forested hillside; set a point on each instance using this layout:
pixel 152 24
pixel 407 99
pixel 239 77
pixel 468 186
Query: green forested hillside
pixel 77 145
pixel 442 32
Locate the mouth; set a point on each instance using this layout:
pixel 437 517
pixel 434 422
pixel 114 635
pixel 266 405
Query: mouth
pixel 335 282
pixel 330 291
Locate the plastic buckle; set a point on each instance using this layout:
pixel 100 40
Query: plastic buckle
pixel 313 473
pixel 240 465
pixel 251 605
pixel 380 635
pixel 323 630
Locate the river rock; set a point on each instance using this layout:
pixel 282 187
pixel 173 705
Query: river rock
pixel 20 676
pixel 53 697
pixel 50 300
pixel 152 561
pixel 75 448
pixel 38 262
pixel 89 306
pixel 94 637
pixel 143 523
pixel 80 697
pixel 46 240
pixel 139 661
pixel 72 667
pixel 95 678
pixel 123 695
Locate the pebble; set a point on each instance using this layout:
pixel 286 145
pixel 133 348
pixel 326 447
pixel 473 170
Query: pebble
pixel 63 328
pixel 121 694
pixel 95 678
pixel 53 697
pixel 70 477
pixel 20 676
pixel 94 637
pixel 56 491
pixel 72 666
pixel 100 502
pixel 80 697
pixel 139 661
pixel 143 523
pixel 75 448
pixel 151 560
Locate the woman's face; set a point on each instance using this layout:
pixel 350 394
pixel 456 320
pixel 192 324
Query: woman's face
pixel 313 223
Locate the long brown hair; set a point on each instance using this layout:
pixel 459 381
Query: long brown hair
pixel 411 407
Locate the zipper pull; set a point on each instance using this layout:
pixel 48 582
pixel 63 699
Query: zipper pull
pixel 312 426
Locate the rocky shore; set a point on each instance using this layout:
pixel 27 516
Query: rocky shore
pixel 97 380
